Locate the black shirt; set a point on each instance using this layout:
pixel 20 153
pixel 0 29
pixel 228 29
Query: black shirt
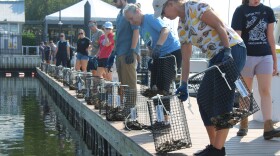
pixel 82 45
pixel 255 39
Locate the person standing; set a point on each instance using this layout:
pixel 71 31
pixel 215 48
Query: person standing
pixel 254 22
pixel 83 47
pixel 53 50
pixel 95 37
pixel 41 51
pixel 162 43
pixel 200 26
pixel 126 48
pixel 47 52
pixel 62 51
pixel 106 43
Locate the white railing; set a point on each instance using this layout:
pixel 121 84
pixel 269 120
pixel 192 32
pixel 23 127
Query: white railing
pixel 30 50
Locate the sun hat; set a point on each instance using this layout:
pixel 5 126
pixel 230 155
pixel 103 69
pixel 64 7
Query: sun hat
pixel 108 25
pixel 158 6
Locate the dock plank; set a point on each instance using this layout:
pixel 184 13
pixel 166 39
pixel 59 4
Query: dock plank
pixel 251 145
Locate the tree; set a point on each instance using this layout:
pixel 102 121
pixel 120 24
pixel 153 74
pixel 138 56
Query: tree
pixel 38 9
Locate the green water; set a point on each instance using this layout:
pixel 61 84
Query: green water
pixel 30 124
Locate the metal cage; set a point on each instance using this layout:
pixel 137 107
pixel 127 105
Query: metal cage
pixel 217 88
pixel 66 76
pixel 168 123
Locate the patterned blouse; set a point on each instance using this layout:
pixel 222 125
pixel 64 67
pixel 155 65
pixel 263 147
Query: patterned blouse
pixel 193 30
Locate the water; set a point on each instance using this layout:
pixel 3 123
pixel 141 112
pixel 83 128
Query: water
pixel 31 124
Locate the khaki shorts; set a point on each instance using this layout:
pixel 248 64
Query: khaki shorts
pixel 256 65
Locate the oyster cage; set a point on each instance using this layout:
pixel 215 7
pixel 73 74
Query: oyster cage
pixel 169 124
pixel 66 76
pixel 96 91
pixel 138 117
pixel 88 93
pixel 80 84
pixel 222 84
pixel 59 73
pixel 119 100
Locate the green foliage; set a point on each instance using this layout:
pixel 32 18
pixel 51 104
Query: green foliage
pixel 29 39
pixel 38 9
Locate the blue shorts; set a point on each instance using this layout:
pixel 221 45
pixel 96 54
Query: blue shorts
pixel 80 56
pixel 239 53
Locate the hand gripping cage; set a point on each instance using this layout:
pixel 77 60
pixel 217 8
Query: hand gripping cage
pixel 59 73
pixel 138 118
pixel 216 88
pixel 169 124
pixel 66 76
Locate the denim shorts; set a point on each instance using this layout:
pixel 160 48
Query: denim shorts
pixel 81 56
pixel 239 54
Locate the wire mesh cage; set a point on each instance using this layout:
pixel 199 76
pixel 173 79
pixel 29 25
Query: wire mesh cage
pixel 44 67
pixel 66 76
pixel 80 84
pixel 217 88
pixel 101 96
pixel 168 123
pixel 90 83
pixel 98 83
pixel 86 89
pixel 51 70
pixel 163 74
pixel 59 73
pixel 138 117
pixel 72 79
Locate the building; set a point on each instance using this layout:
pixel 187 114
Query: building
pixel 12 18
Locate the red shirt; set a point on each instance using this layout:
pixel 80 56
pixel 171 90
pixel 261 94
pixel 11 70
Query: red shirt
pixel 105 51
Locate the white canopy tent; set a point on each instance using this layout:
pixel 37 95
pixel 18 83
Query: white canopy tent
pixel 100 11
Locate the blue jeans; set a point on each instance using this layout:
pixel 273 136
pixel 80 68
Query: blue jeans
pixel 212 95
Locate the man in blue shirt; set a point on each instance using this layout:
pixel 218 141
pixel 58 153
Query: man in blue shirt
pixel 126 48
pixel 165 47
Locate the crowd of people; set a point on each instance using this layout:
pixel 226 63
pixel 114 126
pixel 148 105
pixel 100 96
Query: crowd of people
pixel 249 41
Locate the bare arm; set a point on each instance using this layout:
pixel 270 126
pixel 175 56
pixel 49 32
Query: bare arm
pixel 186 50
pixel 271 41
pixel 135 38
pixel 210 18
pixel 163 36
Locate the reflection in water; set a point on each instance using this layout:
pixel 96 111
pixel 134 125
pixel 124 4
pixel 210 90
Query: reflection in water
pixel 28 123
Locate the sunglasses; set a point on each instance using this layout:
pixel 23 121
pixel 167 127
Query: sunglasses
pixel 61 36
pixel 108 28
pixel 115 1
pixel 81 33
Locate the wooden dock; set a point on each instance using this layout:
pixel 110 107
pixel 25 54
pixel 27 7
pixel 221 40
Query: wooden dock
pixel 140 143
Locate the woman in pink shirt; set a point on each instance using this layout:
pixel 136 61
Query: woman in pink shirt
pixel 106 47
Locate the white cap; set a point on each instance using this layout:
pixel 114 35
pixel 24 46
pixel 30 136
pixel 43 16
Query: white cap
pixel 158 6
pixel 108 25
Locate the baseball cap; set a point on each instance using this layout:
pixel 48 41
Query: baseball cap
pixel 158 6
pixel 108 25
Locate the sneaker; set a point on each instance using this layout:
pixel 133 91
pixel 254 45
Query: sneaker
pixel 203 151
pixel 242 132
pixel 212 151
